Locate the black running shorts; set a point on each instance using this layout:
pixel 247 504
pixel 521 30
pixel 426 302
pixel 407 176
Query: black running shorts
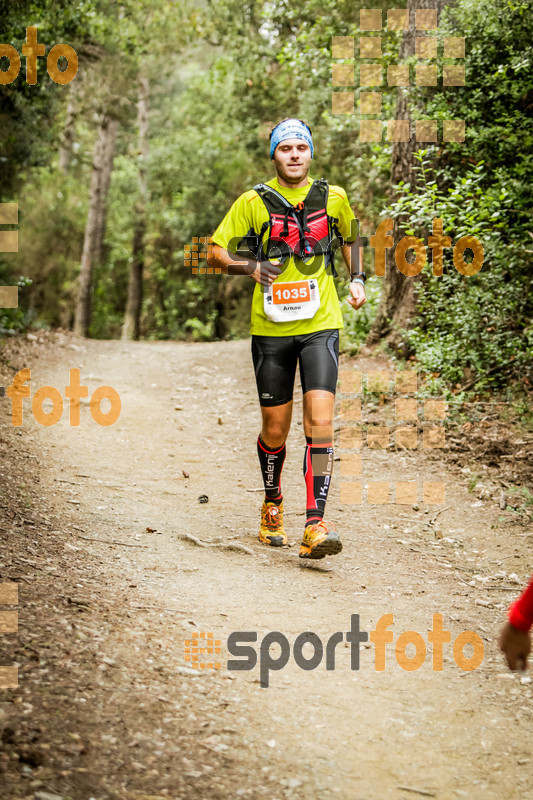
pixel 275 359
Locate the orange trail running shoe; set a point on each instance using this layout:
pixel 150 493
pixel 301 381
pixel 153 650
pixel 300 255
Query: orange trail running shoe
pixel 320 540
pixel 271 531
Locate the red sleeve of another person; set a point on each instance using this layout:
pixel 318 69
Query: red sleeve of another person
pixel 521 612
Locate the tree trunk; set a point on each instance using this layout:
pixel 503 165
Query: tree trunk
pixel 69 131
pixel 225 292
pixel 398 299
pixel 105 180
pixel 132 317
pixel 102 161
pixel 221 328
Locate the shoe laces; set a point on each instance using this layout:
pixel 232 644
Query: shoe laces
pixel 273 517
pixel 320 527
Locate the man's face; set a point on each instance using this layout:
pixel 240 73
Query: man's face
pixel 292 158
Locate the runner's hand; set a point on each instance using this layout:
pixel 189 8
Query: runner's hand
pixel 515 645
pixel 357 292
pixel 266 272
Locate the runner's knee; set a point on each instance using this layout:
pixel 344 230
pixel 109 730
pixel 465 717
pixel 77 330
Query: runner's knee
pixel 318 410
pixel 318 423
pixel 276 426
pixel 274 434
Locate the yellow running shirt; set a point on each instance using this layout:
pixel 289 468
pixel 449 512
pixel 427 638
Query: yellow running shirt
pixel 249 211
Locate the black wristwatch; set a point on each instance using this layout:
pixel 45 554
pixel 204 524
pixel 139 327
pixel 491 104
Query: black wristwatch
pixel 360 275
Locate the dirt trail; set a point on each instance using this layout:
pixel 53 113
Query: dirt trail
pixel 107 705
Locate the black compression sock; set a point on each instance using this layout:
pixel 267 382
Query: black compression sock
pixel 271 461
pixel 318 468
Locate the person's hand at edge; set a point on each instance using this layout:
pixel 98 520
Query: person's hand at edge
pixel 515 645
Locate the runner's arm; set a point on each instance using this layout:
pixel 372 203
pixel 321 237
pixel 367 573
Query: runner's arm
pixel 230 263
pixel 352 255
pixel 353 258
pixel 260 271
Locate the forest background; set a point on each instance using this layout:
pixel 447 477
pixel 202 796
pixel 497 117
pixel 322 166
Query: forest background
pixel 167 122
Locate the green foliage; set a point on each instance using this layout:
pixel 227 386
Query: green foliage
pixel 357 324
pixel 14 320
pixel 28 112
pixel 477 330
pixel 478 325
pixel 53 210
pixel 200 331
pixel 497 99
pixel 111 277
pixel 473 481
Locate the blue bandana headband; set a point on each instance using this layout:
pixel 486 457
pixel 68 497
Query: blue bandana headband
pixel 290 129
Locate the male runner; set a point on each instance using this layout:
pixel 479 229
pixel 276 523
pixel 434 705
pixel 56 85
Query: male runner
pixel 295 317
